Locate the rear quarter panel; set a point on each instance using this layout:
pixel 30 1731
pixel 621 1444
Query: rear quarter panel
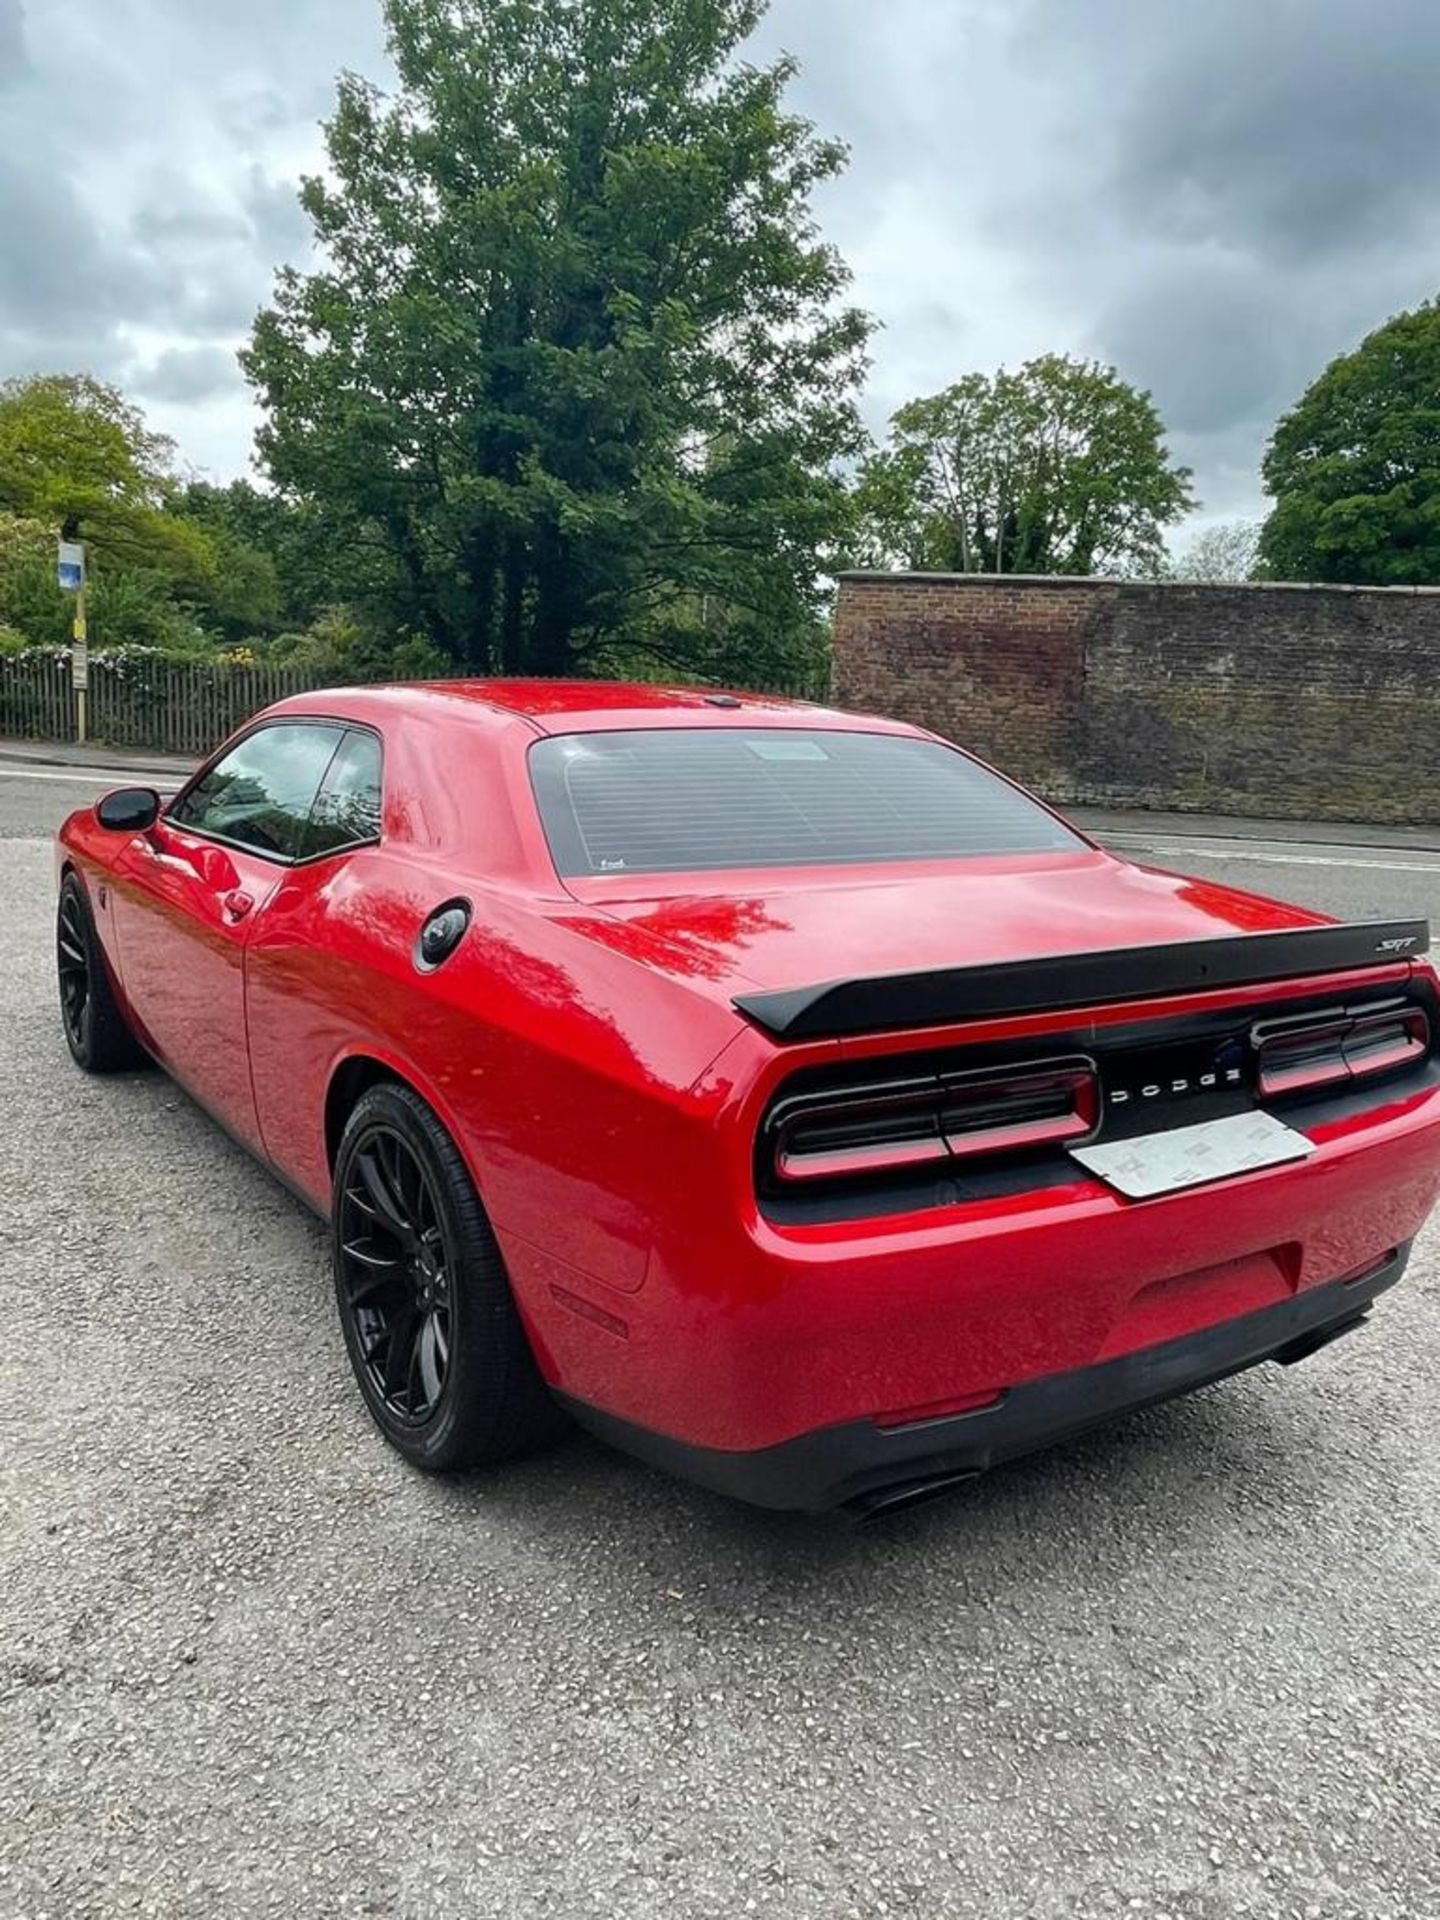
pixel 553 1061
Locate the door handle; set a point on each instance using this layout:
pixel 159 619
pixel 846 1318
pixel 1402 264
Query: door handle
pixel 237 903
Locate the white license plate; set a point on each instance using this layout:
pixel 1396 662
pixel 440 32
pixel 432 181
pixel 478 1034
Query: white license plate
pixel 1152 1163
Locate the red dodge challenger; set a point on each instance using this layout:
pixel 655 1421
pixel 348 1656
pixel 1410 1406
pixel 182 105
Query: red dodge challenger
pixel 783 1094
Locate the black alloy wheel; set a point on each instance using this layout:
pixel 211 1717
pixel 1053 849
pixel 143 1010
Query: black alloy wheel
pixel 96 1031
pixel 72 961
pixel 431 1326
pixel 395 1267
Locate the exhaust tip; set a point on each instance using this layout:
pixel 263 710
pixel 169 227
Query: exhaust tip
pixel 912 1493
pixel 1308 1343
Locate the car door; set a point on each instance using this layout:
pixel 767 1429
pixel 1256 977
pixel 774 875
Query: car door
pixel 308 984
pixel 186 894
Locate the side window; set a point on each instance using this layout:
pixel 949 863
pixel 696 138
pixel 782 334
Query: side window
pixel 347 807
pixel 261 793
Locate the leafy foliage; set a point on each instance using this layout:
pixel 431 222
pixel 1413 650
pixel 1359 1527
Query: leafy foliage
pixel 1060 467
pixel 1228 551
pixel 1354 467
pixel 132 603
pixel 71 447
pixel 270 573
pixel 573 377
pixel 182 568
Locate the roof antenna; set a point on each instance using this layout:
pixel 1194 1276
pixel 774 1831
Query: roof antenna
pixel 722 700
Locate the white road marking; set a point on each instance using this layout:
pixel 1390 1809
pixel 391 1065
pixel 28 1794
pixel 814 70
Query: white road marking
pixel 1335 857
pixel 93 777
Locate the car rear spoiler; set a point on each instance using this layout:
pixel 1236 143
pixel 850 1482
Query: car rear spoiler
pixel 1078 979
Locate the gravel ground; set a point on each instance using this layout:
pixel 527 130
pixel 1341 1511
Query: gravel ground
pixel 252 1664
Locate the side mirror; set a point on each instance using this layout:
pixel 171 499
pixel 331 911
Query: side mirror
pixel 129 809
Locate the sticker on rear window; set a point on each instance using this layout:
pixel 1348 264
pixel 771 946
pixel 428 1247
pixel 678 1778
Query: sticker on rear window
pixel 787 749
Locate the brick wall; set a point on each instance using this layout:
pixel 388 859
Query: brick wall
pixel 1297 702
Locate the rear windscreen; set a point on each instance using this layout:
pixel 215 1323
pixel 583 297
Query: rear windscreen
pixel 690 799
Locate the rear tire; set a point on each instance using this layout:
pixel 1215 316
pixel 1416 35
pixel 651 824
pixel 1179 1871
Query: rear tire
pixel 429 1320
pixel 96 1031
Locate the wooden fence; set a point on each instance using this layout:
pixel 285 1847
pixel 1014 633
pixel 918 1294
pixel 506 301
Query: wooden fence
pixel 171 706
pixel 184 707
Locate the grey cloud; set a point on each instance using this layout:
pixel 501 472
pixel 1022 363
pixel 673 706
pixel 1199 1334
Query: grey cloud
pixel 14 59
pixel 59 271
pixel 49 247
pixel 69 345
pixel 215 248
pixel 1303 133
pixel 1208 332
pixel 145 160
pixel 1217 197
pixel 248 108
pixel 175 213
pixel 278 222
pixel 221 304
pixel 1263 191
pixel 187 375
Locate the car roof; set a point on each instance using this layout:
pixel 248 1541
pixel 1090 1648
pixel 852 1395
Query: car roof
pixel 572 699
pixel 567 706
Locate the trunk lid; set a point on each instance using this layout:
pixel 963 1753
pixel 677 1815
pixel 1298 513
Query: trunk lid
pixel 773 931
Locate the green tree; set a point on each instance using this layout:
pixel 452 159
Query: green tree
pixel 1228 551
pixel 573 378
pixel 1060 467
pixel 72 447
pixel 128 604
pixel 167 566
pixel 1354 467
pixel 269 572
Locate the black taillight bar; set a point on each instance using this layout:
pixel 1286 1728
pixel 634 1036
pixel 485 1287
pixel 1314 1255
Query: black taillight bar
pixel 930 1120
pixel 1338 1044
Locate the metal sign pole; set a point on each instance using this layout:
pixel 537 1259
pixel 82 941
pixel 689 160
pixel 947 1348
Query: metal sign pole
pixel 80 668
pixel 71 570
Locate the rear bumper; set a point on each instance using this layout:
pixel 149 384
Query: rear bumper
pixel 863 1467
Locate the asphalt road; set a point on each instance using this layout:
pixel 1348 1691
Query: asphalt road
pixel 252 1664
pixel 34 800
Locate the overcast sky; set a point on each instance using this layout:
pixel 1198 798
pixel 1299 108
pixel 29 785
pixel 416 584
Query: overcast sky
pixel 1215 195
